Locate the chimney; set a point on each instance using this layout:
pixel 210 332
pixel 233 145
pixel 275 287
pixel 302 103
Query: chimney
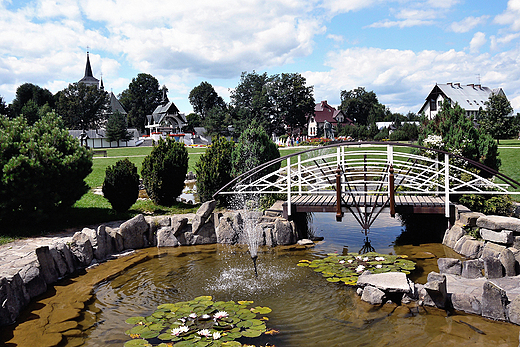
pixel 457 84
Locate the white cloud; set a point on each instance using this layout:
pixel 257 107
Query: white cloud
pixel 336 38
pixel 467 24
pixel 511 16
pixel 478 40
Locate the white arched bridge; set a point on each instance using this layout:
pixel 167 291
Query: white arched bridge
pixel 364 178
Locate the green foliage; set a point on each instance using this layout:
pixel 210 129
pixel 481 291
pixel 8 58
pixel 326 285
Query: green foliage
pixel 43 167
pixel 500 205
pixel 214 168
pixel 460 136
pixel 198 322
pixel 30 92
pixel 361 106
pixel 116 129
pixel 384 134
pixel 4 110
pixel 347 268
pixel 494 119
pixel 164 171
pixel 140 99
pixel 254 147
pixel 82 107
pixel 121 185
pixel 406 132
pixel 203 98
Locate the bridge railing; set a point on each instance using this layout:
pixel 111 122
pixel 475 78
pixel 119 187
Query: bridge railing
pixel 365 169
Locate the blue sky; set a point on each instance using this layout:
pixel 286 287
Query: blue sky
pixel 397 48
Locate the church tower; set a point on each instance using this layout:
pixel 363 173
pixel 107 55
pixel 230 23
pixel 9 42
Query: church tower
pixel 89 79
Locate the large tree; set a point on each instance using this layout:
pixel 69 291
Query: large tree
pixel 140 99
pixel 495 119
pixel 116 129
pixel 203 98
pixel 30 92
pixel 361 106
pixel 82 107
pixel 4 110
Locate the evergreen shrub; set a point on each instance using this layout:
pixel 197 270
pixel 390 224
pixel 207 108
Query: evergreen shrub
pixel 164 171
pixel 214 168
pixel 121 185
pixel 43 168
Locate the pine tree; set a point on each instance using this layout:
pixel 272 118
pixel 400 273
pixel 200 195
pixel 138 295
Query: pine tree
pixel 116 129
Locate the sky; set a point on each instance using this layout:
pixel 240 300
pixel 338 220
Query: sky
pixel 397 48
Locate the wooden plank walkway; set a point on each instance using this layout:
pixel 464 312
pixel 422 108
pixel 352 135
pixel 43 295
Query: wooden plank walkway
pixel 403 204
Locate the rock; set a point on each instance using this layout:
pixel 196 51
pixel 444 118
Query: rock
pixel 499 223
pixel 466 302
pixel 468 247
pixel 469 219
pixel 359 291
pixel 13 297
pixel 47 267
pixel 59 261
pixel 229 227
pixel 283 233
pixel 33 280
pixel 436 288
pixel 305 242
pixel 472 268
pixel 491 249
pixel 206 209
pixel 373 295
pixel 494 302
pixel 449 266
pixel 452 235
pixel 513 311
pixel 81 248
pixel 206 235
pixel 116 239
pixel 66 254
pixel 504 236
pixel 98 240
pixel 197 223
pixel 133 232
pixel 516 242
pixel 492 268
pixel 166 238
pixel 390 282
pixel 507 259
pixel 177 224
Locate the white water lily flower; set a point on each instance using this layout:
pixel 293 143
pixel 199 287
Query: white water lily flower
pixel 350 261
pixel 179 330
pixel 358 257
pixel 193 315
pixel 380 258
pixel 204 332
pixel 205 316
pixel 360 268
pixel 378 266
pixel 365 259
pixel 342 262
pixel 216 335
pixel 220 314
pixel 182 320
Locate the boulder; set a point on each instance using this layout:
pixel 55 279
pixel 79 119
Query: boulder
pixel 514 311
pixel 305 242
pixel 81 248
pixel 469 219
pixel 373 295
pixel 468 247
pixel 283 233
pixel 133 232
pixel 516 242
pixel 33 280
pixel 206 209
pixel 507 259
pixel 205 235
pixel 66 254
pixel 390 282
pixel 499 223
pixel 59 261
pixel 503 236
pixel 228 230
pixel 472 268
pixel 449 266
pixel 13 296
pixel 494 302
pixel 98 240
pixel 491 249
pixel 452 235
pixel 166 237
pixel 436 288
pixel 47 267
pixel 466 302
pixel 115 238
pixel 492 268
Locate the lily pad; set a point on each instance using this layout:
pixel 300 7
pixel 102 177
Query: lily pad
pixel 137 343
pixel 261 310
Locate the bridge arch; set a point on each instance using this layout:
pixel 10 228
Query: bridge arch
pixel 367 176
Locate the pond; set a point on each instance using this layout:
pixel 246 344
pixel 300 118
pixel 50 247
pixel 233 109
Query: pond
pixel 306 309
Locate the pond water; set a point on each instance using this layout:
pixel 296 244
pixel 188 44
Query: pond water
pixel 306 309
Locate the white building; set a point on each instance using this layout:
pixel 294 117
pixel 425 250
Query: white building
pixel 471 97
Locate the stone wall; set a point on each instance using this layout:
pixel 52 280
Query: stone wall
pixel 27 275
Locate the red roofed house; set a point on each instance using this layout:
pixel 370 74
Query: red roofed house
pixel 324 112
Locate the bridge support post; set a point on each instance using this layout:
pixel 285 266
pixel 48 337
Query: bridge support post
pixel 339 211
pixel 447 185
pixel 289 186
pixel 391 190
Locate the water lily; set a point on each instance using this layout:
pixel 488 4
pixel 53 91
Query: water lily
pixel 220 314
pixel 360 268
pixel 358 257
pixel 193 315
pixel 205 316
pixel 182 320
pixel 204 332
pixel 380 258
pixel 378 266
pixel 179 330
pixel 350 261
pixel 365 259
pixel 342 262
pixel 216 335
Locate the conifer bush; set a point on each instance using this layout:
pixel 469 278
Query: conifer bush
pixel 43 168
pixel 214 168
pixel 121 185
pixel 164 171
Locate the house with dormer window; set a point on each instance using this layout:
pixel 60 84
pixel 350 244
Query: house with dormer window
pixel 471 97
pixel 323 113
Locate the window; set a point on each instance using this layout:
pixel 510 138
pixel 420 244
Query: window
pixel 439 103
pixel 433 105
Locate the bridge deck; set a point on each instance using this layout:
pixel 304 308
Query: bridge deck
pixel 403 204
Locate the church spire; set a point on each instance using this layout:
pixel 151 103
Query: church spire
pixel 88 68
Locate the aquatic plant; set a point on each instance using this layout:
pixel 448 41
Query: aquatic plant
pixel 347 268
pixel 199 322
